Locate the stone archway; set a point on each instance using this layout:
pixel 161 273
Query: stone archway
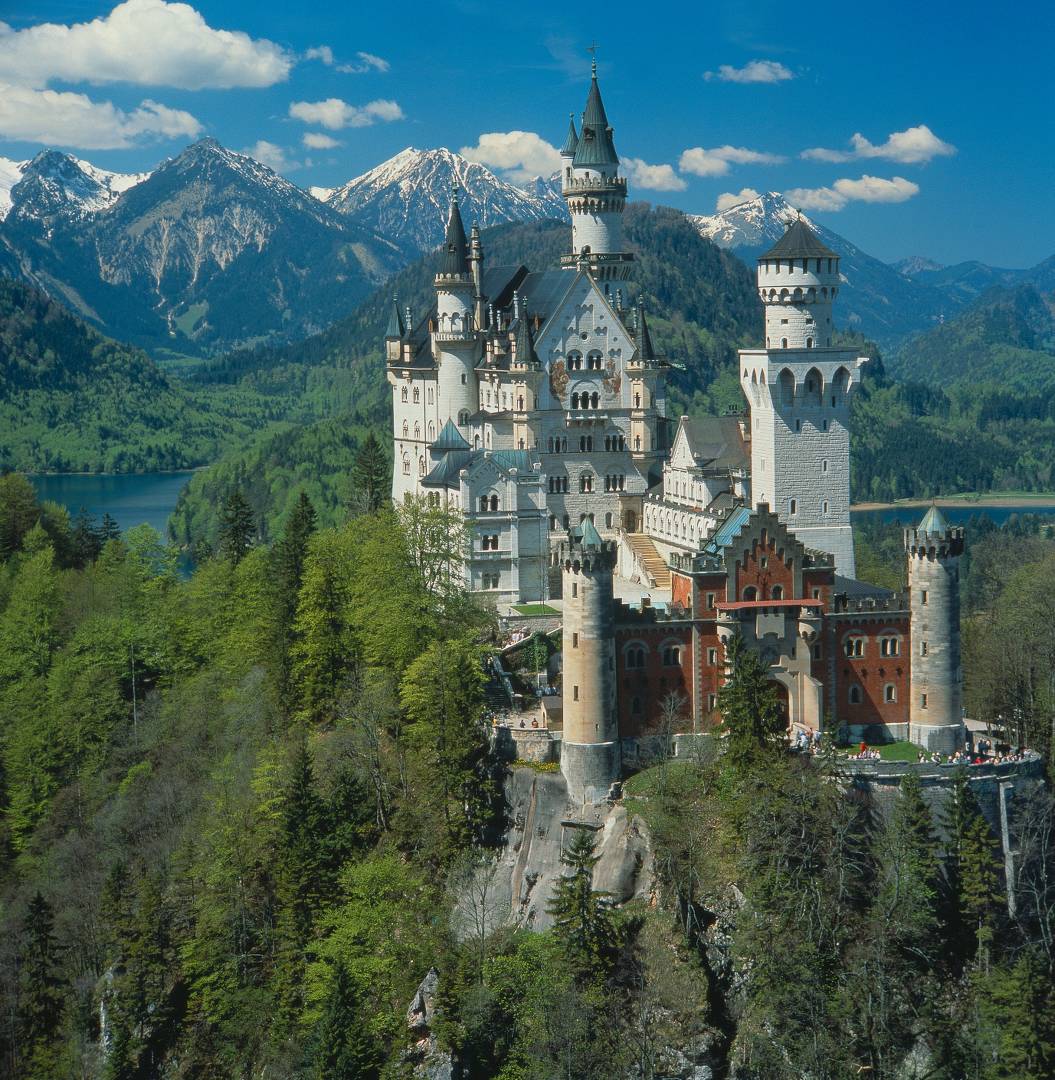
pixel 629 521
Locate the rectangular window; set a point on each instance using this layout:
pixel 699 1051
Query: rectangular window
pixel 923 596
pixel 712 702
pixel 923 701
pixel 575 641
pixel 923 648
pixel 712 657
pixel 816 594
pixel 816 652
pixel 710 601
pixel 575 693
pixel 574 588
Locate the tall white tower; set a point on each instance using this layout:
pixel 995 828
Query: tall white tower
pixel 798 389
pixel 595 193
pixel 455 342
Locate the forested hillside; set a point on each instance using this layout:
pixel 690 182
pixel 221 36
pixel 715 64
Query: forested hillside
pixel 241 812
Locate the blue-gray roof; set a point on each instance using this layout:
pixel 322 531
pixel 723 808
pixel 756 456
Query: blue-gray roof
pixel 799 241
pixel 450 438
pixel 456 249
pixel 728 531
pixel 572 141
pixel 446 472
pixel 596 145
pixel 933 522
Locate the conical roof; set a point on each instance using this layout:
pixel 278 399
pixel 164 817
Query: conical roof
pixel 450 438
pixel 572 141
pixel 933 522
pixel 799 242
pixel 395 328
pixel 525 344
pixel 596 146
pixel 589 536
pixel 456 253
pixel 645 348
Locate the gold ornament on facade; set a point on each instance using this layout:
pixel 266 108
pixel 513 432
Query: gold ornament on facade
pixel 558 379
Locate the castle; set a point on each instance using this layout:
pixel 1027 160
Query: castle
pixel 534 403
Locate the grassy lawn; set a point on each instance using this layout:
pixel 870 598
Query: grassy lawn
pixel 895 751
pixel 535 609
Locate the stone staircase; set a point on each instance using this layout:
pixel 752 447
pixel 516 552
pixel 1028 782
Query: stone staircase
pixel 654 567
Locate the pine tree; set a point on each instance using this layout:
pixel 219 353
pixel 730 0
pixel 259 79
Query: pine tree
pixel 287 558
pixel 41 1001
pixel 237 526
pixel 582 918
pixel 748 705
pixel 370 472
pixel 302 875
pixel 85 540
pixel 345 1048
pixel 109 530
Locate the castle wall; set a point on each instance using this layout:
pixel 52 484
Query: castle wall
pixel 869 676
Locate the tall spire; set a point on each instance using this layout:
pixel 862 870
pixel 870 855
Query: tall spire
pixel 645 348
pixel 395 329
pixel 572 141
pixel 596 145
pixel 456 254
pixel 525 344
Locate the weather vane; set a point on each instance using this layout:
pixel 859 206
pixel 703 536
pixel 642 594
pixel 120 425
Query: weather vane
pixel 592 50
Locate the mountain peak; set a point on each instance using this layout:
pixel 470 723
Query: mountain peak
pixel 409 196
pixel 54 183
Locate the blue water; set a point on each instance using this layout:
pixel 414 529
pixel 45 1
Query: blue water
pixel 955 515
pixel 130 499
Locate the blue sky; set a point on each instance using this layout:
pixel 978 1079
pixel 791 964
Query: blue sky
pixel 952 102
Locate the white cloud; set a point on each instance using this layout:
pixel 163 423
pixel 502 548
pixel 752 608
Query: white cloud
pixel 365 61
pixel 316 140
pixel 652 177
pixel 69 119
pixel 521 155
pixel 320 52
pixel 272 155
pixel 913 146
pixel 717 162
pixel 872 189
pixel 729 198
pixel 336 114
pixel 756 71
pixel 144 42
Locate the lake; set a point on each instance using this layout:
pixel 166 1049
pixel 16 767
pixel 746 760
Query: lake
pixel 129 498
pixel 955 515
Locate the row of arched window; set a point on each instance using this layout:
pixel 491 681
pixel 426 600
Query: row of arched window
pixel 614 483
pixel 855 696
pixel 856 644
pixel 594 361
pixel 777 263
pixel 635 656
pixel 417 395
pixel 585 400
pixel 417 430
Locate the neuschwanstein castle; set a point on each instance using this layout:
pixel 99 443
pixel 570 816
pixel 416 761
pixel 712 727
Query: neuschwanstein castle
pixel 535 402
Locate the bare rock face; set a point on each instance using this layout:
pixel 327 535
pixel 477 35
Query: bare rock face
pixel 542 821
pixel 428 1060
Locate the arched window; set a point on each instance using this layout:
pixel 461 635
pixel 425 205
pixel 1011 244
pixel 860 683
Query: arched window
pixel 432 431
pixel 672 656
pixel 575 401
pixel 430 395
pixel 855 695
pixel 854 646
pixel 476 442
pixel 406 430
pixel 549 444
pixel 793 506
pixel 494 503
pixel 406 464
pixel 890 692
pixel 404 393
pixel 483 504
pixel 783 343
pixel 750 593
pixel 417 429
pixel 417 395
pixel 608 520
pixel 787 387
pixel 421 466
pixel 809 343
pixel 463 418
pixel 594 401
pixel 777 592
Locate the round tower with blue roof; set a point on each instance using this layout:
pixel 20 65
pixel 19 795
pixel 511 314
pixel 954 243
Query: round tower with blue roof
pixel 934 549
pixel 590 760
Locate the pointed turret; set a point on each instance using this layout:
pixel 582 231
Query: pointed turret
pixel 645 349
pixel 456 249
pixel 572 141
pixel 934 522
pixel 595 193
pixel 525 342
pixel 596 145
pixel 395 329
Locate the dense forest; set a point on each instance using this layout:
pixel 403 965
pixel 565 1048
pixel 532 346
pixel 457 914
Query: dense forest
pixel 241 813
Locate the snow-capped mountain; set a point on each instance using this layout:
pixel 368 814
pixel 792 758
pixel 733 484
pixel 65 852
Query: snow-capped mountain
pixel 876 299
pixel 56 183
pixel 212 250
pixel 914 265
pixel 407 197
